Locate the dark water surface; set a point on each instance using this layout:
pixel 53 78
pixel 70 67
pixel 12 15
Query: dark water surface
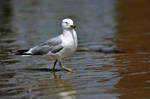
pixel 104 24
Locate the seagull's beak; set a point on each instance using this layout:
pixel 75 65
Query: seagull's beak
pixel 73 26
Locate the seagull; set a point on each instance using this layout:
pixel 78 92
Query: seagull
pixel 58 47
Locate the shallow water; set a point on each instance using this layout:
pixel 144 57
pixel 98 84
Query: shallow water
pixel 100 24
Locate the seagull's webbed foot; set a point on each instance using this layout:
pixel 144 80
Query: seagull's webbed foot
pixel 68 69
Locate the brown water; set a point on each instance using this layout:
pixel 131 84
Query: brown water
pixel 103 24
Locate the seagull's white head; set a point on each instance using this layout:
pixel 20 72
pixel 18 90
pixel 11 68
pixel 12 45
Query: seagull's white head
pixel 68 24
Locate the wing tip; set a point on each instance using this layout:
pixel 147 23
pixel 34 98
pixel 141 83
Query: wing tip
pixel 21 52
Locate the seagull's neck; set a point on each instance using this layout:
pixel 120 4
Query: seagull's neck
pixel 66 31
pixel 70 34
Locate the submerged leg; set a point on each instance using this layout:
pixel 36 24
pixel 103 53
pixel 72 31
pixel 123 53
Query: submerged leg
pixel 68 69
pixel 54 65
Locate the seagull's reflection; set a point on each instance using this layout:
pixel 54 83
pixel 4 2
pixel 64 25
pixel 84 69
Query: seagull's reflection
pixel 67 95
pixel 59 76
pixel 64 87
pixel 53 87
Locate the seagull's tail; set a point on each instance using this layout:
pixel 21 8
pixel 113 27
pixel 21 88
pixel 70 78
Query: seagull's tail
pixel 22 52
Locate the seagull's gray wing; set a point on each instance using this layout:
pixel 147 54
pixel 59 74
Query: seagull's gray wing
pixel 52 45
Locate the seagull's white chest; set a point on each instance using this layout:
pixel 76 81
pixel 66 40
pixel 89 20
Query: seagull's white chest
pixel 69 43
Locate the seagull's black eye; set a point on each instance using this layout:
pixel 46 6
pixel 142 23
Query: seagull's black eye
pixel 66 22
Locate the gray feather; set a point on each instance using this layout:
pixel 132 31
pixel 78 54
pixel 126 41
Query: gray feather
pixel 52 45
pixel 57 49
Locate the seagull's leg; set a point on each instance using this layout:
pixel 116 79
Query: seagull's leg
pixel 68 69
pixel 54 65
